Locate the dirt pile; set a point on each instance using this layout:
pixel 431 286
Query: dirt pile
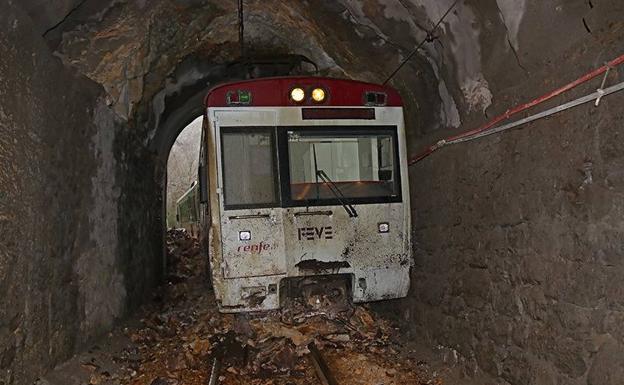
pixel 184 338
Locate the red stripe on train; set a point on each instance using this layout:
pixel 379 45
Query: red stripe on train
pixel 275 92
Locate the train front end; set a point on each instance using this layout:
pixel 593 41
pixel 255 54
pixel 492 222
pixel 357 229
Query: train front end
pixel 305 190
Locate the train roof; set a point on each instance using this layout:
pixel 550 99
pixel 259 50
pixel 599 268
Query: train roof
pixel 275 92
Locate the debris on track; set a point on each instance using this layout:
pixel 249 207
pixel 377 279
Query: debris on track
pixel 184 340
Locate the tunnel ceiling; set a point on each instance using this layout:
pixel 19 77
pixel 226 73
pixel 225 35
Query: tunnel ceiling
pixel 147 53
pixel 153 56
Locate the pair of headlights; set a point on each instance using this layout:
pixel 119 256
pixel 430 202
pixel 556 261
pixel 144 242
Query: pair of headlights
pixel 298 94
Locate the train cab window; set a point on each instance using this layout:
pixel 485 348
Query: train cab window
pixel 249 170
pixel 361 163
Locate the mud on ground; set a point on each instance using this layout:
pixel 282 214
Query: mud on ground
pixel 180 338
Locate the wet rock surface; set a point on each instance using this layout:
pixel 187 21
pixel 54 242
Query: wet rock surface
pixel 61 282
pixel 178 337
pixel 519 235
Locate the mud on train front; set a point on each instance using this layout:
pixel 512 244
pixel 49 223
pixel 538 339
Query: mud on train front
pixel 303 183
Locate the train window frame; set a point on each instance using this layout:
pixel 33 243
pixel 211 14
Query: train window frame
pixel 277 202
pixel 202 170
pixel 284 164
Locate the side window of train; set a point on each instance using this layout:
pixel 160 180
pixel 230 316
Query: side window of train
pixel 202 178
pixel 203 183
pixel 249 167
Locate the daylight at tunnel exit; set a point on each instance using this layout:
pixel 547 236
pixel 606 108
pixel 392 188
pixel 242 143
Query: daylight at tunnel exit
pixel 303 192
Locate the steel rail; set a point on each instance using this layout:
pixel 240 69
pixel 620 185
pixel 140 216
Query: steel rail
pixel 215 371
pixel 320 366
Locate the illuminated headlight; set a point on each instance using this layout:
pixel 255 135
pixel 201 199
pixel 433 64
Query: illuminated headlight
pixel 297 94
pixel 318 95
pixel 244 235
pixel 383 227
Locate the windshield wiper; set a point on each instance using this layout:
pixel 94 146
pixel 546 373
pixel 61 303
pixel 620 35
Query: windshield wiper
pixel 339 195
pixel 316 172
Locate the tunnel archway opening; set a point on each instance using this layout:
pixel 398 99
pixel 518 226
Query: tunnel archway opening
pixel 384 142
pixel 179 105
pixel 182 164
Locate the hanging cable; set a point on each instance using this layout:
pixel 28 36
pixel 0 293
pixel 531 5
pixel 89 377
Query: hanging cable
pixel 241 29
pixel 429 38
pixel 486 129
pixel 574 103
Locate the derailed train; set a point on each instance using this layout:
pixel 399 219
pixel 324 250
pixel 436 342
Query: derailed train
pixel 303 187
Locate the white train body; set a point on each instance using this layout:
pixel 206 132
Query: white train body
pixel 302 189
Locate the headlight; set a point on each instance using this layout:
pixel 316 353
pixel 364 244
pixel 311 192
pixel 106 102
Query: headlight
pixel 318 95
pixel 244 236
pixel 297 94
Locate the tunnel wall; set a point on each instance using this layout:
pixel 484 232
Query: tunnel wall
pixel 517 260
pixel 519 255
pixel 71 261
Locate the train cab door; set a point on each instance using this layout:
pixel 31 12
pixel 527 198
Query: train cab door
pixel 250 213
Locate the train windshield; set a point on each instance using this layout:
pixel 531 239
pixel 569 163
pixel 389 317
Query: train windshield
pixel 317 166
pixel 361 163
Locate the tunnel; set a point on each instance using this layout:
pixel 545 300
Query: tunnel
pixel 518 253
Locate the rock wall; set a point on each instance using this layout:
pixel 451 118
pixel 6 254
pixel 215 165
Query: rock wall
pixel 519 255
pixel 147 55
pixel 68 260
pixel 518 236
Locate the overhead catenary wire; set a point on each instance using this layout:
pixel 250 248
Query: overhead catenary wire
pixel 520 108
pixel 241 28
pixel 427 38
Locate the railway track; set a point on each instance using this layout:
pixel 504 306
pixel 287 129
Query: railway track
pixel 315 358
pixel 323 372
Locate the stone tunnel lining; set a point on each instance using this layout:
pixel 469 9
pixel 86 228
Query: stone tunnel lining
pixel 518 266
